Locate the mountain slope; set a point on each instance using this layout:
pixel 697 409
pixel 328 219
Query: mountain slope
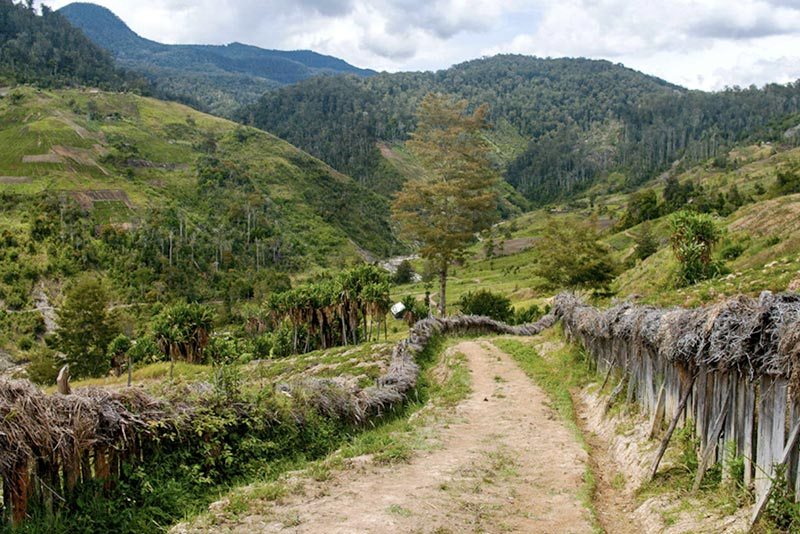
pixel 529 97
pixel 48 50
pixel 166 201
pixel 241 72
pixel 562 124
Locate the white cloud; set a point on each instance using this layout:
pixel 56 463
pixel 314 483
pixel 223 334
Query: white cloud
pixel 699 43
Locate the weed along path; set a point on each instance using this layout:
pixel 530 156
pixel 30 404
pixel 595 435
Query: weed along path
pixel 501 461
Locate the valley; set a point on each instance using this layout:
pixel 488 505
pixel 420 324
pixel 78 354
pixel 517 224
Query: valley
pixel 255 290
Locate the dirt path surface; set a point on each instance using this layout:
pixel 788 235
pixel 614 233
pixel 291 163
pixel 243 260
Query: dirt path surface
pixel 506 463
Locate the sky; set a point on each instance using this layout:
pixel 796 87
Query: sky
pixel 700 44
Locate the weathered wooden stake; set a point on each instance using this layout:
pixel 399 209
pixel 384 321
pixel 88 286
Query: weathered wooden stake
pixel 787 451
pixel 711 444
pixel 658 412
pixel 615 394
pixel 663 448
pixel 63 381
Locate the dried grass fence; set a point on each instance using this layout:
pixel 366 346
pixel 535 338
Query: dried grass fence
pixel 730 369
pixel 51 444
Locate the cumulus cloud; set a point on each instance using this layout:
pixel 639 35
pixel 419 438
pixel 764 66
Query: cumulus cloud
pixel 699 43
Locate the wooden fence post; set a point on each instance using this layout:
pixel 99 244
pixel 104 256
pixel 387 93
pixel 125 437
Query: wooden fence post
pixel 665 442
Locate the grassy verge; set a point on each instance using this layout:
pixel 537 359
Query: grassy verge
pixel 445 381
pixel 562 371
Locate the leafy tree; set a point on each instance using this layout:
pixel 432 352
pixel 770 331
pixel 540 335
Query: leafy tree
pixel 43 367
pixel 404 273
pixel 646 242
pixel 85 328
pixel 788 180
pixel 118 350
pixel 693 238
pixel 182 331
pixel 443 209
pixel 677 194
pixel 573 256
pixel 642 206
pixel 486 303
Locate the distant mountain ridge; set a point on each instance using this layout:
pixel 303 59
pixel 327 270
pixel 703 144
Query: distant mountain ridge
pixel 199 73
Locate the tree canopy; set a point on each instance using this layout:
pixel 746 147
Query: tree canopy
pixel 85 328
pixel 456 197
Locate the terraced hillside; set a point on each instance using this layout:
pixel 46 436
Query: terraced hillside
pixel 164 201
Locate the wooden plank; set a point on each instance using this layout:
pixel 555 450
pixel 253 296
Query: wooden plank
pixel 663 448
pixel 658 413
pixel 728 443
pixel 748 424
pixel 763 466
pixel 614 394
pixel 716 429
pixel 701 408
pixel 782 459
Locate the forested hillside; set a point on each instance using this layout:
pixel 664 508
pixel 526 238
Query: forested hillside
pixel 213 78
pixel 563 124
pixel 48 50
pixel 165 201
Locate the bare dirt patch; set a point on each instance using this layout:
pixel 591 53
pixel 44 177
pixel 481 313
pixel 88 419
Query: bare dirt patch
pixel 14 180
pixel 506 463
pixel 43 158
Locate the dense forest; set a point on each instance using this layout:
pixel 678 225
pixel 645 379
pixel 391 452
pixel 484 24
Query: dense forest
pixel 48 50
pixel 579 120
pixel 212 78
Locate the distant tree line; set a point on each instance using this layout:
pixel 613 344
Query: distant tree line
pixel 583 119
pixel 47 50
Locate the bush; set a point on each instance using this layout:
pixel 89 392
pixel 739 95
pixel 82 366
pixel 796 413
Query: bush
pixel 693 238
pixel 731 251
pixel 43 367
pixel 25 343
pixel 527 315
pixel 646 242
pixel 415 309
pixel 573 256
pixel 404 274
pixel 145 350
pixel 486 303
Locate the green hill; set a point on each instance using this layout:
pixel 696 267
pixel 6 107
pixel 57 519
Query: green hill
pixel 165 201
pixel 215 78
pixel 48 50
pixel 562 124
pixel 759 249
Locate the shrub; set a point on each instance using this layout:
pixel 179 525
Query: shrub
pixel 415 309
pixel 43 367
pixel 646 242
pixel 404 273
pixel 145 350
pixel 693 238
pixel 25 343
pixel 573 256
pixel 483 302
pixel 528 315
pixel 731 251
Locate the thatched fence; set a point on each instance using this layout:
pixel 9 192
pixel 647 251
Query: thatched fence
pixel 52 444
pixel 731 369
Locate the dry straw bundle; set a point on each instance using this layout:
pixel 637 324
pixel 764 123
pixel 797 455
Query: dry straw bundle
pixel 753 337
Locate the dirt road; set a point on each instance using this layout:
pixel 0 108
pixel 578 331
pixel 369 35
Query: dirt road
pixel 506 463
